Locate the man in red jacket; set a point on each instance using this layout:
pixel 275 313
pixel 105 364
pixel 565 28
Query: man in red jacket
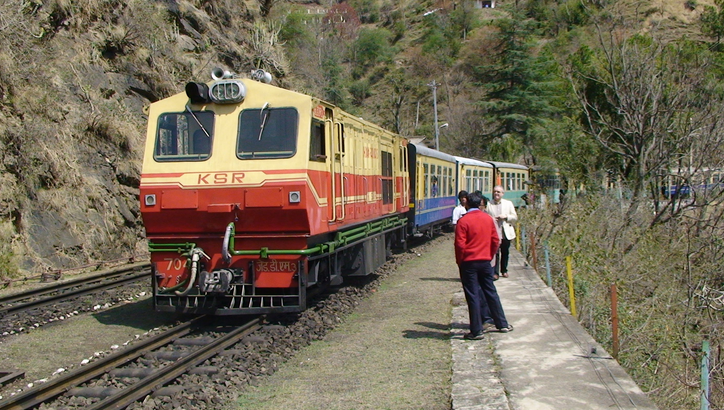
pixel 476 243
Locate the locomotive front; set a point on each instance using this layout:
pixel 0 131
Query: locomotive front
pixel 229 198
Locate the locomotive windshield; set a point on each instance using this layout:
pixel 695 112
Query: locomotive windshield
pixel 184 136
pixel 267 133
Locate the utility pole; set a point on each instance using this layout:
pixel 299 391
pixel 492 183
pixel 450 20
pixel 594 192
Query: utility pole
pixel 434 85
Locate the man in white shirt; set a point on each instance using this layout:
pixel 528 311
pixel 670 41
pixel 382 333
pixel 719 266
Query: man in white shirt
pixel 460 209
pixel 503 212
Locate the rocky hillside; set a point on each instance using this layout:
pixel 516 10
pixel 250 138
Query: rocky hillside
pixel 75 77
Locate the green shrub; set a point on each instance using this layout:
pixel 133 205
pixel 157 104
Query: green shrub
pixel 368 10
pixel 360 90
pixel 373 46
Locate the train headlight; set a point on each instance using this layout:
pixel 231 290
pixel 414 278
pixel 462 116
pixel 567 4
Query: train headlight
pixel 150 199
pixel 198 93
pixel 295 197
pixel 227 92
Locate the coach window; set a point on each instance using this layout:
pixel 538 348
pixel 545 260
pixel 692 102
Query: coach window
pixel 437 188
pixel 317 150
pixel 448 176
pixel 184 136
pixel 267 133
pixel 449 189
pixel 426 172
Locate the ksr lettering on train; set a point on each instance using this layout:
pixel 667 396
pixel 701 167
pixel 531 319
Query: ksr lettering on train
pixel 221 178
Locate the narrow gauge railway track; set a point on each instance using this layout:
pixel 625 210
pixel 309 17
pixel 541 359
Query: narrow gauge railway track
pixel 195 351
pixel 235 367
pixel 47 295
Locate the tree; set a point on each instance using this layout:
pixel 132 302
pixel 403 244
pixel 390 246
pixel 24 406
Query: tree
pixel 372 47
pixel 712 21
pixel 655 108
pixel 517 89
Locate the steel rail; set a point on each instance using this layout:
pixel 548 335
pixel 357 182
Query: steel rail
pixel 110 280
pixel 156 380
pixel 70 283
pixel 55 387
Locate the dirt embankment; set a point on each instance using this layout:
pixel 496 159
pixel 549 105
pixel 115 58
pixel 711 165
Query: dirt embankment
pixel 75 77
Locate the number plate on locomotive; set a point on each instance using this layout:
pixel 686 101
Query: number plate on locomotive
pixel 274 265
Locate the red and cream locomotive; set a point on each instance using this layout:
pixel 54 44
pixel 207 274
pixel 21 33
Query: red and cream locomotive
pixel 251 194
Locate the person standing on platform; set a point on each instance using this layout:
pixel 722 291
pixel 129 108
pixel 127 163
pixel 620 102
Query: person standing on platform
pixel 503 211
pixel 460 210
pixel 476 242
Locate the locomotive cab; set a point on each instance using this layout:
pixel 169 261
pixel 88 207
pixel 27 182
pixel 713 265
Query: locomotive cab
pixel 251 193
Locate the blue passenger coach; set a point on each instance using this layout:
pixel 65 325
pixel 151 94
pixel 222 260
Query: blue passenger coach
pixel 433 189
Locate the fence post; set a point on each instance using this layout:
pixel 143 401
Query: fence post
pixel 705 348
pixel 614 320
pixel 524 243
pixel 532 251
pixel 548 264
pixel 571 293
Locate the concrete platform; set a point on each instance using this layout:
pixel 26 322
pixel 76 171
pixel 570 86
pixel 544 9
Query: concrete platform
pixel 547 362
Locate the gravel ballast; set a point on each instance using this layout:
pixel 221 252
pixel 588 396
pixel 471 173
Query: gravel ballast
pixel 393 352
pixel 383 343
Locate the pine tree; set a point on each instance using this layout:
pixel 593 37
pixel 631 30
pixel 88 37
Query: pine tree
pixel 517 90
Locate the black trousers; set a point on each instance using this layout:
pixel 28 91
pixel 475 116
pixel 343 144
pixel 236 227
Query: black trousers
pixel 503 255
pixel 481 295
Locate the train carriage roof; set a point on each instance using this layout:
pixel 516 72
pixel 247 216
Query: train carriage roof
pixel 423 150
pixel 471 161
pixel 508 165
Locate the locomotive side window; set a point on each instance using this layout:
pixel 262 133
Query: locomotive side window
pixel 184 136
pixel 267 133
pixel 317 150
pixel 340 139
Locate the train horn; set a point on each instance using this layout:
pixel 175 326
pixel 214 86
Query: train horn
pixel 261 76
pixel 220 74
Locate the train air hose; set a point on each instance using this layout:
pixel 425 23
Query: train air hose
pixel 196 254
pixel 225 255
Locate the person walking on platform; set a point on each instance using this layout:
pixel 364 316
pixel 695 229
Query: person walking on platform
pixel 503 211
pixel 476 242
pixel 460 210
